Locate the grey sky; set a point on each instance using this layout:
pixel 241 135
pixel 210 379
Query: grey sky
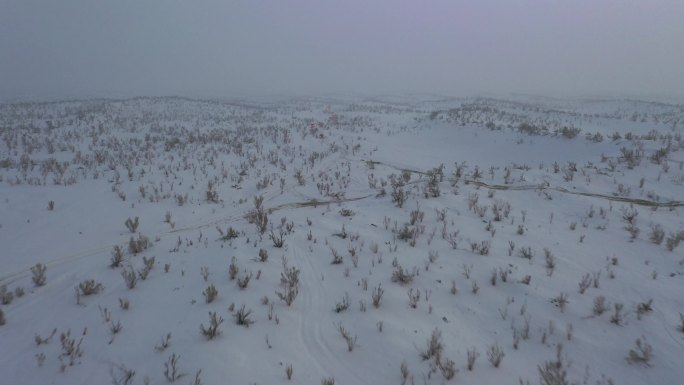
pixel 85 48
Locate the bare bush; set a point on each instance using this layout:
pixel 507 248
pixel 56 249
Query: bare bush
pixel 123 376
pixel 243 280
pixel 258 215
pixel 89 287
pixel 642 354
pixel 600 305
pixel 129 277
pixel 342 304
pixel 171 371
pixel 617 317
pixel 71 350
pixel 561 301
pixel 138 245
pixel 243 317
pixel 38 274
pixel 448 368
pixel 132 224
pixel 472 355
pixel 584 283
pixel 401 276
pixel 290 279
pixel 210 294
pixel 263 255
pixel 278 240
pixel 554 372
pixel 117 257
pixel 351 341
pixel 414 297
pixel 434 346
pixel 6 296
pixel 495 355
pixel 644 308
pixel 212 330
pixel 377 295
pixel 164 344
pixel 657 234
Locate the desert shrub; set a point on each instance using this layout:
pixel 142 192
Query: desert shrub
pixel 263 255
pixel 402 276
pixel 243 281
pixel 89 287
pixel 641 354
pixel 337 258
pixel 617 317
pixel 495 355
pixel 351 341
pixel 38 274
pixel 600 305
pixel 230 233
pixel 6 296
pixel 472 355
pixel 278 240
pixel 550 261
pixel 165 343
pixel 124 303
pixel 447 368
pixel 117 257
pixel 584 283
pixel 644 308
pixel 377 295
pixel 289 278
pixel 342 304
pixel 399 196
pixel 258 215
pixel 404 373
pixel 554 372
pixel 138 245
pixel 2 318
pixel 129 277
pixel 233 269
pixel 345 212
pixel 561 301
pixel 71 350
pixel 526 252
pixel 122 376
pixel 414 297
pixel 568 132
pixel 434 346
pixel 171 371
pixel 210 294
pixel 243 317
pixel 132 224
pixel 657 234
pixel 212 331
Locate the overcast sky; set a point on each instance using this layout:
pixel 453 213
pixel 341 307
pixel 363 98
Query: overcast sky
pixel 116 48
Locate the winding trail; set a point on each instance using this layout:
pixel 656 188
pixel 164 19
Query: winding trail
pixel 544 187
pixel 317 331
pixel 79 255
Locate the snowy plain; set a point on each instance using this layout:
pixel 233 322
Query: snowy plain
pixel 475 221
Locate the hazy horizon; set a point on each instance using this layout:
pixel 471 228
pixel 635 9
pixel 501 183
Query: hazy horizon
pixel 76 49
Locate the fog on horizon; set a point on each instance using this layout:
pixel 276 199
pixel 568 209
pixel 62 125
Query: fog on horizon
pixel 94 48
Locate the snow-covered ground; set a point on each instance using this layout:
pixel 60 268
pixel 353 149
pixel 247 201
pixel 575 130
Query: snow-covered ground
pixel 492 214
